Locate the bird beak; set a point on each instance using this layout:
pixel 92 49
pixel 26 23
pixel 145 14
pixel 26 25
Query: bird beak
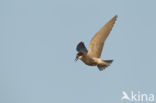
pixel 76 59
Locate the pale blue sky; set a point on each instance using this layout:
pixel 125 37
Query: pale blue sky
pixel 38 40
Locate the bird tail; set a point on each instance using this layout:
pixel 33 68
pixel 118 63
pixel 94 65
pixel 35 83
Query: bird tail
pixel 103 66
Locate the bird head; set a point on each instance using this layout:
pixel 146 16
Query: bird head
pixel 79 56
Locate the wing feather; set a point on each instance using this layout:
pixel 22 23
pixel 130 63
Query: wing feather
pixel 81 48
pixel 97 42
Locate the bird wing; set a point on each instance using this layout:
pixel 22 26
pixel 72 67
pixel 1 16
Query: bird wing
pixel 97 42
pixel 81 48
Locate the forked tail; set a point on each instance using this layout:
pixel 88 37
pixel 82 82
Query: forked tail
pixel 102 67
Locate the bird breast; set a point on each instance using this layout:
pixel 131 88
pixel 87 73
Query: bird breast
pixel 88 60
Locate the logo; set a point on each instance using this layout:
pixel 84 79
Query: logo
pixel 137 97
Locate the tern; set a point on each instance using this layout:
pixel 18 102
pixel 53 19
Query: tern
pixel 91 57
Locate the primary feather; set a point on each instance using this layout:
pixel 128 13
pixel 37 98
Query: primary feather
pixel 97 42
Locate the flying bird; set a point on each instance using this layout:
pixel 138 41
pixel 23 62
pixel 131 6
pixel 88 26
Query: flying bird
pixel 91 57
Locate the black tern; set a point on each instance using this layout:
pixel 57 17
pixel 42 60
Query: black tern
pixel 91 57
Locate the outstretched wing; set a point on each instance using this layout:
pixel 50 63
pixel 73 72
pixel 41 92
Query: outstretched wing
pixel 81 48
pixel 97 42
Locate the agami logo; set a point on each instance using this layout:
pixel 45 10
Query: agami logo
pixel 137 97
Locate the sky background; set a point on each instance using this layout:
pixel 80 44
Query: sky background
pixel 37 50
